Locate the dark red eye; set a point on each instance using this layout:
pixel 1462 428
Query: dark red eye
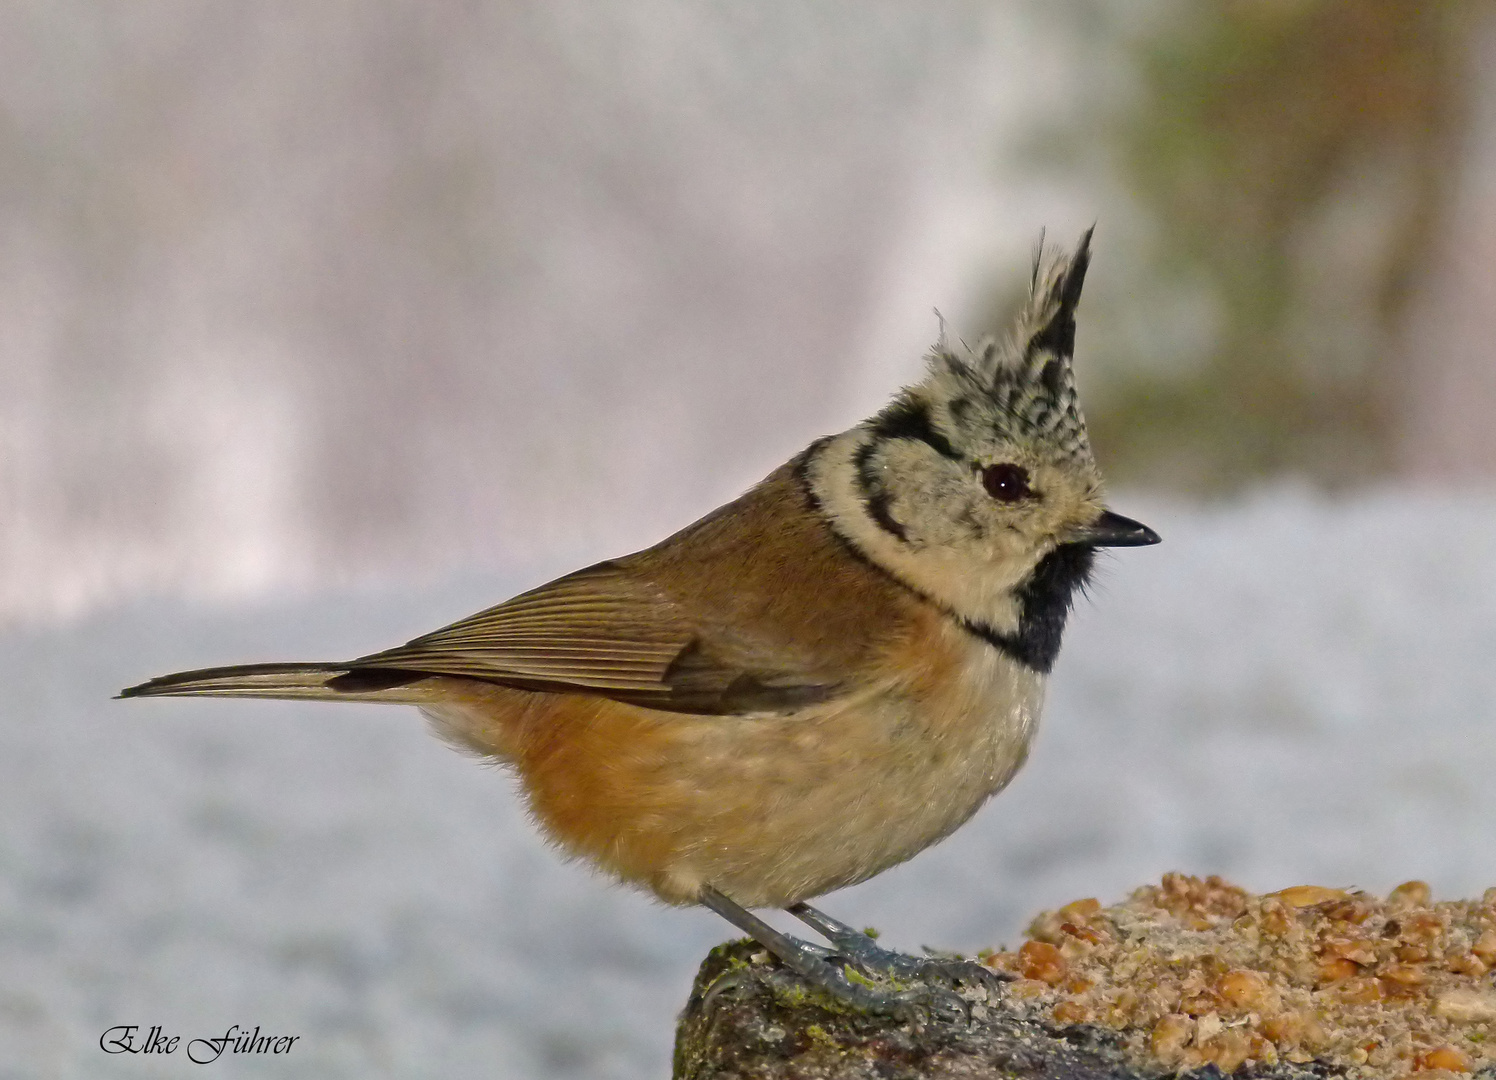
pixel 1006 483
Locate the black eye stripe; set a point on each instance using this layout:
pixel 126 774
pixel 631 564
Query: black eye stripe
pixel 875 497
pixel 908 418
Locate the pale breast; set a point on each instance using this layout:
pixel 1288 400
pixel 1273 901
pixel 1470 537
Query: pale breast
pixel 769 809
pixel 838 794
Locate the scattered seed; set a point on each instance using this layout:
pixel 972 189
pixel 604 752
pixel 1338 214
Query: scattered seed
pixel 1298 896
pixel 1447 1058
pixel 1195 971
pixel 1466 1006
pixel 1041 961
pixel 1409 894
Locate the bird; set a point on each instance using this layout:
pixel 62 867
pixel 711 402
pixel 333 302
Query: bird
pixel 807 686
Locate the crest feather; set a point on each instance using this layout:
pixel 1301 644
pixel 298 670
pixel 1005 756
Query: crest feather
pixel 1027 373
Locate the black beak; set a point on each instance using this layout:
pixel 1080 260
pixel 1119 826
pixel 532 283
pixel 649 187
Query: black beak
pixel 1114 530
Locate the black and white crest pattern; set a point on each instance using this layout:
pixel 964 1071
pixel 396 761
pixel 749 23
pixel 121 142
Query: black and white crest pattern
pixel 1023 386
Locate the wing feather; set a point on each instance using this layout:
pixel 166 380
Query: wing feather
pixel 609 631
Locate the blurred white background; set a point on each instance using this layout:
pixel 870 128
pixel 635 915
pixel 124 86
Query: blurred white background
pixel 321 325
pixel 303 295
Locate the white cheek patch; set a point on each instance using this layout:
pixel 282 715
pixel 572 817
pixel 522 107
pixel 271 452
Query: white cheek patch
pixel 924 509
pixel 971 584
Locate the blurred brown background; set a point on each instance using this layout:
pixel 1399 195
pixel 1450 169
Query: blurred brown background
pixel 303 295
pixel 1313 205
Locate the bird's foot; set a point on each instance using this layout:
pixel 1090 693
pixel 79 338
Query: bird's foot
pixel 857 973
pixel 854 991
pixel 864 951
pixel 859 983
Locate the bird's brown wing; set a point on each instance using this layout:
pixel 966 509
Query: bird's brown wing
pixel 610 632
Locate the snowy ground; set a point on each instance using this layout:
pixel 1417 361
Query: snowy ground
pixel 1287 690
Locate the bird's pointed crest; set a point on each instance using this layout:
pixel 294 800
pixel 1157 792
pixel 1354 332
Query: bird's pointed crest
pixel 1027 374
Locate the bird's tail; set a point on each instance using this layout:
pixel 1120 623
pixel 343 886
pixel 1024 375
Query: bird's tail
pixel 313 682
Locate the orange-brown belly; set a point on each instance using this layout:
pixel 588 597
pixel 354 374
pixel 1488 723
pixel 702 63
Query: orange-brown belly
pixel 768 809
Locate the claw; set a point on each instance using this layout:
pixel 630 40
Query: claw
pixel 945 1005
pixel 852 971
pixel 962 972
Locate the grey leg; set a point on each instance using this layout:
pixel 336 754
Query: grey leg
pixel 811 964
pixel 854 944
pixel 869 955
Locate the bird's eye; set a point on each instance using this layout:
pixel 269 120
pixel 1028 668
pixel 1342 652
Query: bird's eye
pixel 1006 483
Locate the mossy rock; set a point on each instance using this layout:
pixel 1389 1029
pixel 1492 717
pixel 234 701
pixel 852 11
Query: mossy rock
pixel 749 1018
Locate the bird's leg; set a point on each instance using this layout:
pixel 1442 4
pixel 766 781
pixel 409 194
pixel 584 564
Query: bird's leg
pixel 810 963
pixel 855 945
pixel 865 952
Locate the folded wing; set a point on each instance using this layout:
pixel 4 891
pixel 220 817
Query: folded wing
pixel 610 632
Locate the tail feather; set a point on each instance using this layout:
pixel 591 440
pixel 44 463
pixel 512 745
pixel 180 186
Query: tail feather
pixel 314 682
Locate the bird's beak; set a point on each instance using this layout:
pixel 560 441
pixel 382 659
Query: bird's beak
pixel 1114 530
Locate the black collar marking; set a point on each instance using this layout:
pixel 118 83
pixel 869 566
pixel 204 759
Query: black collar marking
pixel 1044 602
pixel 1044 599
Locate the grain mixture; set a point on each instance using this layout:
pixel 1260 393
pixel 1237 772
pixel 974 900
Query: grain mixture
pixel 1194 972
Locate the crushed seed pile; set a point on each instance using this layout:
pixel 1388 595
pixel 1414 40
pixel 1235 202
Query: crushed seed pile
pixel 1195 972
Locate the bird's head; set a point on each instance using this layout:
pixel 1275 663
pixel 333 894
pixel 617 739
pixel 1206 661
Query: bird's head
pixel 980 478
